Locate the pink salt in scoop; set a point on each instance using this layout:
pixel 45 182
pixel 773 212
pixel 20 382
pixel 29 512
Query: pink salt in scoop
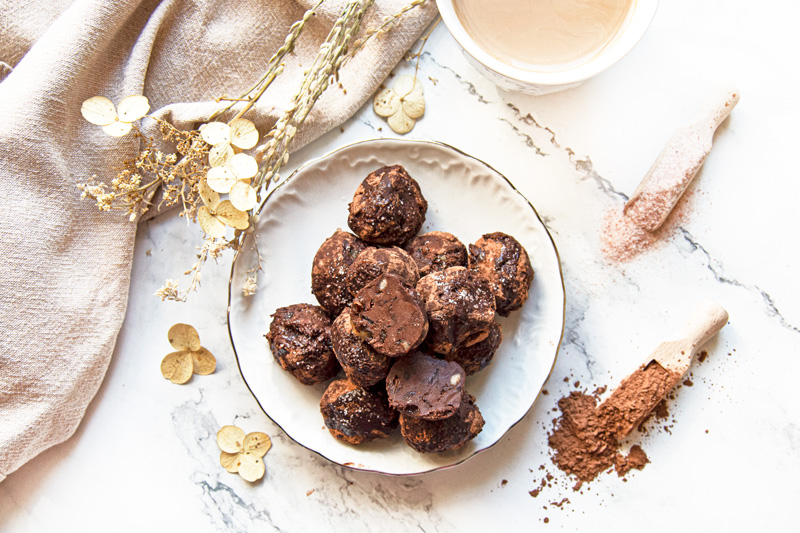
pixel 675 167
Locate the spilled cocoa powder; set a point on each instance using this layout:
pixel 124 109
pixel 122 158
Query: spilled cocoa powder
pixel 586 438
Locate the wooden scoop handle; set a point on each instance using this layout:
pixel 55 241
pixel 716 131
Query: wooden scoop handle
pixel 707 319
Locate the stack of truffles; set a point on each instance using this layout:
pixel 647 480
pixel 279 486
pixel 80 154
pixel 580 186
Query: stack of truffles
pixel 406 317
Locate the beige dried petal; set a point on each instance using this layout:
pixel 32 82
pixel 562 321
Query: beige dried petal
pixel 243 196
pixel 229 461
pixel 184 337
pixel 257 443
pixel 414 106
pixel 386 103
pixel 400 122
pixel 208 195
pixel 220 155
pixel 177 367
pixel 230 439
pixel 230 216
pixel 221 179
pixel 133 108
pixel 99 110
pixel 251 467
pixel 117 129
pixel 244 134
pixel 211 225
pixel 204 362
pixel 243 166
pixel 215 133
pixel 407 85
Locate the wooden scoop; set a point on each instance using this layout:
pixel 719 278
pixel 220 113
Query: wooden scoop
pixel 676 167
pixel 675 358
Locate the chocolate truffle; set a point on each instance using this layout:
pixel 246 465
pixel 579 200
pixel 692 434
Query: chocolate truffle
pixel 478 356
pixel 329 271
pixel 437 250
pixel 299 337
pixel 361 364
pixel 502 260
pixel 372 262
pixel 389 315
pixel 425 387
pixel 355 414
pixel 431 436
pixel 388 207
pixel 460 307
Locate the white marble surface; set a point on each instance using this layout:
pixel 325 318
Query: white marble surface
pixel 145 457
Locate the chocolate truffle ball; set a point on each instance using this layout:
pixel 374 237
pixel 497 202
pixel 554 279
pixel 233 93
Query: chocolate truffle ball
pixel 362 365
pixel 432 436
pixel 478 356
pixel 425 387
pixel 502 260
pixel 388 207
pixel 329 271
pixel 299 337
pixel 355 414
pixel 389 315
pixel 436 250
pixel 372 262
pixel 460 307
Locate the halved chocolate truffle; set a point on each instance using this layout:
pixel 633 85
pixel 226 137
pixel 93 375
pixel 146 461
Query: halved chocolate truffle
pixel 425 387
pixel 361 363
pixel 356 414
pixel 388 207
pixel 435 251
pixel 389 316
pixel 503 261
pixel 460 307
pixel 433 436
pixel 299 337
pixel 372 262
pixel 329 271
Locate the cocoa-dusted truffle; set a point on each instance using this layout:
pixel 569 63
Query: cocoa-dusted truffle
pixel 436 250
pixel 299 337
pixel 389 316
pixel 478 356
pixel 372 262
pixel 425 387
pixel 502 260
pixel 361 364
pixel 329 271
pixel 355 414
pixel 460 307
pixel 388 207
pixel 432 436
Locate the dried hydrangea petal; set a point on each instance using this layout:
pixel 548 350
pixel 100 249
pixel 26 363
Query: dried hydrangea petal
pixel 243 166
pixel 204 362
pixel 215 133
pixel 211 225
pixel 117 129
pixel 407 85
pixel 177 367
pixel 386 103
pixel 99 110
pixel 221 179
pixel 220 154
pixel 257 443
pixel 414 106
pixel 230 439
pixel 251 467
pixel 229 461
pixel 230 216
pixel 243 196
pixel 133 108
pixel 400 122
pixel 208 195
pixel 184 337
pixel 244 134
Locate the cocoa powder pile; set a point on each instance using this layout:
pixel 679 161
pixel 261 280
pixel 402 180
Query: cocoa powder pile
pixel 586 438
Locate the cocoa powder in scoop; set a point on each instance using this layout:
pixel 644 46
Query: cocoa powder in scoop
pixel 586 438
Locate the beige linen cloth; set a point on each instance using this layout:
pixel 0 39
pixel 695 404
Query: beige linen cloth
pixel 66 266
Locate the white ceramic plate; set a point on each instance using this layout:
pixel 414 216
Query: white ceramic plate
pixel 465 197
